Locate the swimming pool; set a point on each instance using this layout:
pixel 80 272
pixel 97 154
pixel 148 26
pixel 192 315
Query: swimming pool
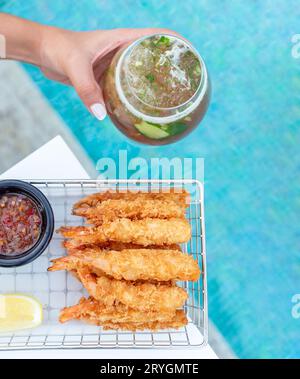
pixel 249 139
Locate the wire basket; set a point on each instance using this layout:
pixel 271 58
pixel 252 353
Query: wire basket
pixel 56 290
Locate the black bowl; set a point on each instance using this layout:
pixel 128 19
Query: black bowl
pixel 44 207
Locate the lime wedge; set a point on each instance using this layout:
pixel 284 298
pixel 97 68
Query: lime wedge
pixel 151 131
pixel 19 312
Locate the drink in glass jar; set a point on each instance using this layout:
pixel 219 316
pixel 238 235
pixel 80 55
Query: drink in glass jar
pixel 157 89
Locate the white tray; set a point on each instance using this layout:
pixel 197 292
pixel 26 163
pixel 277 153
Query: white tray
pixel 58 289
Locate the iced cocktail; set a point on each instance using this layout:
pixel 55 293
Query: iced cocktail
pixel 157 89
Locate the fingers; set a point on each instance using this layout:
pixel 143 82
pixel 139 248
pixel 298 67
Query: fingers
pixel 101 63
pixel 83 80
pixel 85 75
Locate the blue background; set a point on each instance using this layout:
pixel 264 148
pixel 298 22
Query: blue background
pixel 249 139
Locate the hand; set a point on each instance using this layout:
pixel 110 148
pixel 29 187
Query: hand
pixel 80 58
pixel 75 58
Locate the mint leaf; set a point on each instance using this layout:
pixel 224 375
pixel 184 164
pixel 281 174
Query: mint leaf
pixel 176 128
pixel 150 77
pixel 163 41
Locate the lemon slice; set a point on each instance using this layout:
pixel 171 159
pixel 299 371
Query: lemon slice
pixel 19 312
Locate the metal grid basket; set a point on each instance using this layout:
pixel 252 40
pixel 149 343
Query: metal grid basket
pixel 58 289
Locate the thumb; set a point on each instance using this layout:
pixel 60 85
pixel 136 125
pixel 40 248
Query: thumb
pixel 83 80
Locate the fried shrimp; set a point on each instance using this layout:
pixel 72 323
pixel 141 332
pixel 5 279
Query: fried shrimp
pixel 121 317
pixel 128 257
pixel 176 195
pixel 142 232
pixel 139 295
pixel 137 209
pixel 133 264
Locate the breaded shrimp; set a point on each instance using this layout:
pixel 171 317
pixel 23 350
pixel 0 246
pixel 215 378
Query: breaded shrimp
pixel 137 209
pixel 100 312
pixel 142 232
pixel 138 295
pixel 134 264
pixel 176 195
pixel 120 316
pixel 177 322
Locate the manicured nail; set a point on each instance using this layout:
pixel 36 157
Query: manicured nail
pixel 99 111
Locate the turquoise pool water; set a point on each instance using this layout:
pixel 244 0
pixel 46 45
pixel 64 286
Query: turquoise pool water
pixel 249 139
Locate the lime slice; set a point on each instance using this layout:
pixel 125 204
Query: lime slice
pixel 151 131
pixel 19 312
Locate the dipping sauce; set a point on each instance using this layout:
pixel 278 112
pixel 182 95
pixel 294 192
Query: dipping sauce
pixel 20 224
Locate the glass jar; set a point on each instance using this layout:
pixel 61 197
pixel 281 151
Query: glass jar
pixel 157 89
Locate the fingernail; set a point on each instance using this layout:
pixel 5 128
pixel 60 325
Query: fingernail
pixel 99 111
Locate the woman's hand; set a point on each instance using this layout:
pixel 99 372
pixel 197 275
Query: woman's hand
pixel 80 58
pixel 75 58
